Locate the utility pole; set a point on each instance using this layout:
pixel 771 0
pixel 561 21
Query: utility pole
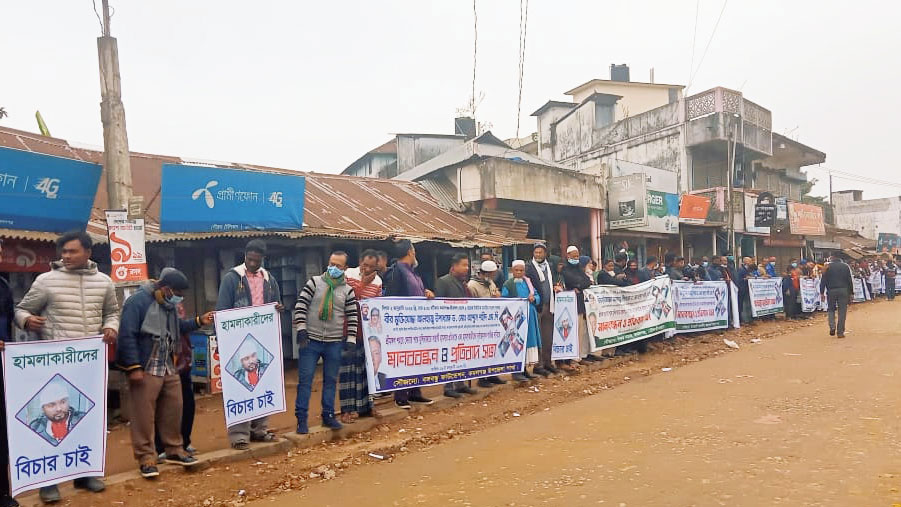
pixel 116 161
pixel 730 159
pixel 831 203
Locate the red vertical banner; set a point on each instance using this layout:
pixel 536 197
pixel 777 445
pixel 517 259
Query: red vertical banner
pixel 126 245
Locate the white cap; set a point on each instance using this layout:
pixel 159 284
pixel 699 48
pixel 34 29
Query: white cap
pixel 53 392
pixel 246 350
pixel 519 262
pixel 571 248
pixel 488 267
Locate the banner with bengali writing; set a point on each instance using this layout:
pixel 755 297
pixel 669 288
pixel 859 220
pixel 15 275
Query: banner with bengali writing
pixel 249 344
pixel 620 315
pixel 415 342
pixel 566 327
pixel 55 410
pixel 810 295
pixel 858 294
pixel 700 306
pixel 766 296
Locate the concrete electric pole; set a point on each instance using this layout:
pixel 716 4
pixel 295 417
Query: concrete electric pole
pixel 112 113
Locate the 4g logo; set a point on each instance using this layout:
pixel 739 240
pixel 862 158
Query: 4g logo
pixel 48 186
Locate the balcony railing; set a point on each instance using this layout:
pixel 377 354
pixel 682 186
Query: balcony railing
pixel 757 122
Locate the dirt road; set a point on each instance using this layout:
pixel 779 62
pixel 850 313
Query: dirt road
pixel 804 419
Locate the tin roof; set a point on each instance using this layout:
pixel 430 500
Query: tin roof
pixel 335 206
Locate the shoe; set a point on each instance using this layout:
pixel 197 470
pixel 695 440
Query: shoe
pixel 484 382
pixel 184 461
pixel 467 390
pixel 841 335
pixel 544 372
pixel 267 437
pixel 453 394
pixel 191 450
pixel 552 369
pixel 421 400
pixel 403 404
pixel 240 446
pixel 590 359
pixel 302 428
pixel 92 484
pixel 161 457
pixel 832 332
pixel 8 501
pixel 50 494
pixel 496 380
pixel 520 377
pixel 528 375
pixel 331 423
pixel 149 471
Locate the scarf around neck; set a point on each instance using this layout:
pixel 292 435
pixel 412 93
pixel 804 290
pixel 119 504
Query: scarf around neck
pixel 327 308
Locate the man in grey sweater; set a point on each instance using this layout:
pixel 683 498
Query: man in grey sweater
pixel 837 286
pixel 325 318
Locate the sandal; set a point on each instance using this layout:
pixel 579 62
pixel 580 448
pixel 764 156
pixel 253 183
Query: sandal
pixel 268 437
pixel 349 418
pixel 240 446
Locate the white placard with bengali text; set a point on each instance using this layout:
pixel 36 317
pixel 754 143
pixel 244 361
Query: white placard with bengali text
pixel 566 327
pixel 766 296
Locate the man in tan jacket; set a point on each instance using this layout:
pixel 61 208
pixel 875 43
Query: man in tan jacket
pixel 72 300
pixel 483 286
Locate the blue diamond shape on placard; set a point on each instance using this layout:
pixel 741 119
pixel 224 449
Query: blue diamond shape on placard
pixel 56 401
pixel 237 369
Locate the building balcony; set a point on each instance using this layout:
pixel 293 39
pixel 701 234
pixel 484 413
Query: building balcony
pixel 721 115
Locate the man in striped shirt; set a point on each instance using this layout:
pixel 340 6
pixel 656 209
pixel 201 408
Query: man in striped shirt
pixel 325 318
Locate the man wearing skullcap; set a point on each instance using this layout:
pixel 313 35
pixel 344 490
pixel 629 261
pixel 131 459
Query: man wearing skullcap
pixel 57 417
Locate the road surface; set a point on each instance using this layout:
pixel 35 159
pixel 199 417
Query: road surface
pixel 805 419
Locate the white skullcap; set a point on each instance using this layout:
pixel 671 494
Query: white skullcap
pixel 53 392
pixel 488 267
pixel 519 262
pixel 571 248
pixel 246 349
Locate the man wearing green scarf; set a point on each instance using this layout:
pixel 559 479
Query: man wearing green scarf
pixel 325 318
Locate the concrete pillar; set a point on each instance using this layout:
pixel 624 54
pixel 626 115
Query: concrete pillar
pixel 564 237
pixel 596 234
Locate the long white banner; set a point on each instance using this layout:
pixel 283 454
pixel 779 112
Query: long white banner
pixel 566 327
pixel 55 410
pixel 414 342
pixel 620 315
pixel 810 295
pixel 700 306
pixel 766 296
pixel 250 348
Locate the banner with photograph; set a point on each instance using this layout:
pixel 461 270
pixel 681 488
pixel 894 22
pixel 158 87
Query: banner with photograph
pixel 766 296
pixel 858 294
pixel 415 342
pixel 621 315
pixel 127 253
pixel 566 331
pixel 627 197
pixel 700 306
pixel 249 342
pixel 55 410
pixel 810 295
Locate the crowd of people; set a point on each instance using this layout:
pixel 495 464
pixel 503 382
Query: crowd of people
pixel 74 299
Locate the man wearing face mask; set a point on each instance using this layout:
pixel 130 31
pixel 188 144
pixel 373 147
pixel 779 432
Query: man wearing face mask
pixel 540 272
pixel 575 279
pixel 608 275
pixel 148 346
pixel 771 267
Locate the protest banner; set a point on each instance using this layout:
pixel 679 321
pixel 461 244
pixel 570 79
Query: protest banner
pixel 766 296
pixel 566 331
pixel 876 282
pixel 858 295
pixel 55 410
pixel 415 342
pixel 249 342
pixel 700 306
pixel 810 294
pixel 621 315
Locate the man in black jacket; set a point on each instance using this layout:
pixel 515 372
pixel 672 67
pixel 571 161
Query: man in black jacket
pixel 453 286
pixel 7 310
pixel 837 281
pixel 575 279
pixel 649 272
pixel 609 276
pixel 540 272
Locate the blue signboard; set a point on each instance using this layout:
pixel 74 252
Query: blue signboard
pixel 45 193
pixel 211 199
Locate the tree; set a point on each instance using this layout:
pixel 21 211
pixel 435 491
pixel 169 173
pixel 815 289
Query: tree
pixel 3 113
pixel 820 201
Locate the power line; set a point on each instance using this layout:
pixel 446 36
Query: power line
pixel 704 54
pixel 858 178
pixel 523 28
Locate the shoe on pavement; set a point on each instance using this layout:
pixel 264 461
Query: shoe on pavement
pixel 149 471
pixel 467 390
pixel 841 335
pixel 552 369
pixel 49 494
pixel 191 450
pixel 528 375
pixel 520 377
pixel 184 461
pixel 161 457
pixel 484 382
pixel 544 372
pixel 496 380
pixel 240 446
pixel 8 501
pixel 332 423
pixel 420 400
pixel 92 484
pixel 403 404
pixel 832 332
pixel 453 394
pixel 302 428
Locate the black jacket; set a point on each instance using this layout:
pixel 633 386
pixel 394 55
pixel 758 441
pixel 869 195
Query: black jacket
pixel 645 274
pixel 837 276
pixel 604 278
pixel 450 287
pixel 7 310
pixel 574 278
pixel 545 292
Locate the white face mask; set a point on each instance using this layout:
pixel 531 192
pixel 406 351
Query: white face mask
pixel 610 273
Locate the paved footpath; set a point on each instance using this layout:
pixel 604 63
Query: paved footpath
pixel 803 419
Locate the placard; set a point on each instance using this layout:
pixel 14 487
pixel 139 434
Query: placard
pixel 621 315
pixel 126 240
pixel 566 327
pixel 766 296
pixel 700 306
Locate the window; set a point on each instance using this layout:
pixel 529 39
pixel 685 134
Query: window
pixel 603 115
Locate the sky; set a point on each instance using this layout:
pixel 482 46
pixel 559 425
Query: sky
pixel 314 85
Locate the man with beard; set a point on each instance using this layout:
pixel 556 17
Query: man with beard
pixel 453 286
pixel 252 368
pixel 540 272
pixel 58 418
pixel 575 279
pixel 483 286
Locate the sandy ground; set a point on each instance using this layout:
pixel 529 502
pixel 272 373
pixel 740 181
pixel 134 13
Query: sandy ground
pixel 796 418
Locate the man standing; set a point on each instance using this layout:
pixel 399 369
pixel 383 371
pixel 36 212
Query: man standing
pixel 649 272
pixel 836 286
pixel 148 346
pixel 249 284
pixel 540 272
pixel 620 261
pixel 498 277
pixel 74 299
pixel 771 267
pixel 325 317
pixel 353 388
pixel 382 265
pixel 453 286
pixel 747 271
pixel 484 286
pixel 575 279
pixel 891 271
pixel 7 315
pixel 401 280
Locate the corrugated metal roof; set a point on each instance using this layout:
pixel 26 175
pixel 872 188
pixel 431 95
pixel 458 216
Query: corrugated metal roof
pixel 336 205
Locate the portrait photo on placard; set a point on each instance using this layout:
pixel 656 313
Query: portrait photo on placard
pixel 55 410
pixel 249 363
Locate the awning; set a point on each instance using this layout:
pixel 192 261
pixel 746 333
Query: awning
pixel 826 245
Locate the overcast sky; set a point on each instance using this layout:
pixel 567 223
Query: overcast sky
pixel 313 85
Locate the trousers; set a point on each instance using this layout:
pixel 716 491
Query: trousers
pixel 187 412
pixel 546 326
pixel 157 404
pixel 837 300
